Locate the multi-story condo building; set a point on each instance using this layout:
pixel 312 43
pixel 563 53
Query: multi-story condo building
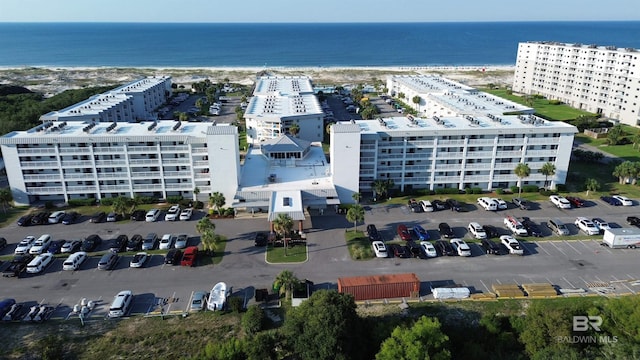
pixel 600 79
pixel 135 101
pixel 280 102
pixel 58 161
pixel 447 152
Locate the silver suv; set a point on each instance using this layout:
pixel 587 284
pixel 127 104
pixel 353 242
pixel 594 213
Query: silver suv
pixel 558 227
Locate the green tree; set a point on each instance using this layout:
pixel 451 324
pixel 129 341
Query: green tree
pixel 615 135
pixel 121 204
pixel 325 327
pixel 591 185
pixel 217 201
pixel 283 224
pixel 522 171
pixel 264 346
pixel 205 224
pixel 253 321
pixel 635 139
pixel 416 100
pixel 543 325
pixel 529 100
pixel 286 281
pixel 208 238
pixel 183 116
pixel 5 198
pixel 294 129
pixel 424 340
pixel 356 197
pixel 355 214
pixel 381 187
pixel 627 171
pixel 401 95
pixel 547 169
pixel 196 191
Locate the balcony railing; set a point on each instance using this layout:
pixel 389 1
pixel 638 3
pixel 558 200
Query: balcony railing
pixel 77 163
pixel 44 190
pixel 76 150
pixel 142 149
pixel 110 162
pixel 38 164
pixel 47 151
pixel 28 178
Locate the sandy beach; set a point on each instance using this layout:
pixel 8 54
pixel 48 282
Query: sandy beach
pixel 53 80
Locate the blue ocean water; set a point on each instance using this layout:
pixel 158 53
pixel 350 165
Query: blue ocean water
pixel 300 45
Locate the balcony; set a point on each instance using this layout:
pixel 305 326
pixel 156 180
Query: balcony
pixel 201 163
pixel 181 161
pixel 142 149
pixel 145 174
pixel 113 175
pixel 110 163
pixel 79 176
pixel 77 163
pixel 202 175
pixel 44 190
pixel 144 161
pixel 146 187
pixel 22 151
pixel 28 178
pixel 199 150
pixel 38 164
pixel 114 187
pixel 174 148
pixel 181 186
pixel 455 178
pixel 81 189
pixel 108 150
pixel 73 150
pixel 178 174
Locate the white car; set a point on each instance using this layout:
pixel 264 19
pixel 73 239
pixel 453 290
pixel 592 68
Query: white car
pixel 487 203
pixel 25 245
pixel 152 215
pixel 380 249
pixel 172 214
pixel 186 214
pixel 502 205
pixel 74 261
pixel 39 263
pixel 166 242
pixel 56 217
pixel 587 226
pixel 181 241
pixel 601 224
pixel 560 202
pixel 139 259
pixel 515 226
pixel 477 231
pixel 512 245
pixel 426 205
pixel 429 249
pixel 461 247
pixel 624 200
pixel 41 245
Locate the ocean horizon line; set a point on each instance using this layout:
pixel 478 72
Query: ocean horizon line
pixel 486 67
pixel 326 22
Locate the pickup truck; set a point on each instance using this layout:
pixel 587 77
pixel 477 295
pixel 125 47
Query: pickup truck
pixel 515 226
pixel 17 265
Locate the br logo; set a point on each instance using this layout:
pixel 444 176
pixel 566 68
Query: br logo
pixel 583 323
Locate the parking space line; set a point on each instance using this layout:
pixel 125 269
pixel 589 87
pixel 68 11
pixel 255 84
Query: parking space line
pixel 568 282
pixel 623 282
pixel 485 286
pixel 498 281
pixel 631 277
pixel 585 245
pixel 557 248
pixel 542 247
pixel 571 246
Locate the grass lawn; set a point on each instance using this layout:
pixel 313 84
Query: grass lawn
pixel 542 106
pixel 359 245
pixel 282 255
pixel 12 215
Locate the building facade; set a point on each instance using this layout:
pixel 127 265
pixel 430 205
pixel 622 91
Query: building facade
pixel 600 79
pixel 135 101
pixel 58 161
pixel 280 102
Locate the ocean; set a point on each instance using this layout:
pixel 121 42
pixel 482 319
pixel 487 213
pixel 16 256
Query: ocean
pixel 292 44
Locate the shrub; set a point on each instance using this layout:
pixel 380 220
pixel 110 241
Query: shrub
pixel 81 202
pixel 49 205
pixel 561 187
pixel 499 191
pixel 530 188
pixel 174 199
pixel 253 321
pixel 547 192
pixel 146 200
pixel 198 205
pixel 468 191
pixel 476 190
pixel 514 189
pixel 555 102
pixel 107 201
pixel 236 304
pixel 447 191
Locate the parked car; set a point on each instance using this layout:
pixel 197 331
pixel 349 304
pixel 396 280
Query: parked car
pixel 429 249
pixel 181 241
pixel 98 217
pixel 3 243
pixel 601 224
pixel 487 203
pixel 74 261
pixel 414 206
pixel 25 220
pixel 56 217
pixel 427 206
pixel 491 231
pixel 173 256
pixel 150 241
pixel 420 233
pixel 119 244
pixel 40 218
pixel 560 202
pixel 439 205
pixel 71 246
pixel 558 227
pixel 575 201
pixel 399 251
pixel 152 215
pixel 512 245
pixel 138 215
pixel 477 231
pixel 531 227
pixel 403 232
pixel 379 249
pixel 70 217
pixel 515 226
pixel 491 247
pixel 587 226
pixel 633 220
pixel 139 259
pixel 261 239
pixel 415 250
pixel 121 304
pixel 444 248
pixel 502 205
pixel 173 213
pixel 25 245
pixel 189 257
pixel 372 233
pixel 198 301
pixel 55 247
pixel 166 241
pixel 455 205
pixel 135 243
pixel 91 243
pixel 461 247
pixel 113 217
pixel 108 261
pixel 186 214
pixel 17 265
pixel 521 203
pixel 611 200
pixel 445 230
pixel 625 201
pixel 40 245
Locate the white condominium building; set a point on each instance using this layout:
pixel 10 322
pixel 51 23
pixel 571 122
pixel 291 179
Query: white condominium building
pixel 598 79
pixel 447 152
pixel 280 102
pixel 58 161
pixel 132 102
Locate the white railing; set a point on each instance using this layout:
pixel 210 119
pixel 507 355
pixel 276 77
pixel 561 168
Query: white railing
pixel 139 187
pixel 145 174
pixel 201 163
pixel 41 177
pixel 82 150
pixel 103 149
pixel 183 186
pixel 77 163
pixel 44 190
pixel 175 148
pixel 79 176
pixel 178 173
pixel 81 188
pixel 183 161
pixel 145 149
pixel 144 161
pixel 38 164
pixel 110 162
pixel 114 187
pixel 199 150
pixel 35 151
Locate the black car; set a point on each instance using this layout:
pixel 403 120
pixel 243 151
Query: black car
pixel 445 230
pixel 108 261
pixel 532 228
pixel 491 247
pixel 261 239
pixel 444 248
pixel 135 243
pixel 173 257
pixel 414 206
pixel 454 205
pixel 40 218
pixel 373 233
pixel 491 231
pixel 91 243
pixel 575 201
pixel 138 215
pixel 521 203
pixel 70 217
pixel 416 250
pixel 17 265
pixel 399 251
pixel 98 217
pixel 3 243
pixel 55 246
pixel 611 200
pixel 633 220
pixel 119 244
pixel 439 205
pixel 25 220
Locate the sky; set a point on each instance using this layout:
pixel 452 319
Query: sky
pixel 225 11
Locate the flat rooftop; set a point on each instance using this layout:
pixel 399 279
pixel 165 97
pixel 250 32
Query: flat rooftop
pixel 278 106
pixel 283 85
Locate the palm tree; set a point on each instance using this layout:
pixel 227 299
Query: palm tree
pixel 121 204
pixel 416 100
pixel 401 95
pixel 294 129
pixel 183 116
pixel 522 171
pixel 355 214
pixel 204 225
pixel 636 140
pixel 196 191
pixel 283 225
pixel 5 198
pixel 591 185
pixel 286 281
pixel 356 197
pixel 381 187
pixel 208 237
pixel 217 200
pixel 548 169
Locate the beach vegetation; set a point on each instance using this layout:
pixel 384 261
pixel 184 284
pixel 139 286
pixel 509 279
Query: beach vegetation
pixel 543 107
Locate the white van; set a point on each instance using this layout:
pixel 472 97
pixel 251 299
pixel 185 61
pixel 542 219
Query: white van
pixel 41 245
pixel 74 261
pixel 39 263
pixel 121 304
pixel 488 204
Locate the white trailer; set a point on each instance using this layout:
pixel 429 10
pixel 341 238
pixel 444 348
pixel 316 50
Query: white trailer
pixel 622 238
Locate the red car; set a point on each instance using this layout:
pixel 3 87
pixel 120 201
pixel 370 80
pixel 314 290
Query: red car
pixel 189 257
pixel 404 233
